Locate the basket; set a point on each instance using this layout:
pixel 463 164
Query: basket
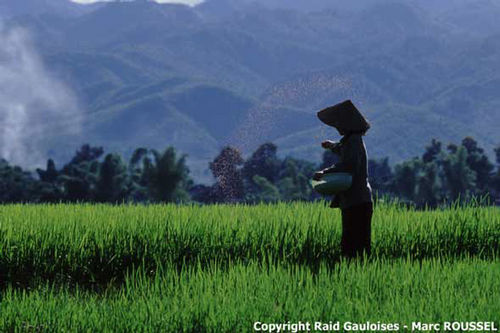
pixel 332 183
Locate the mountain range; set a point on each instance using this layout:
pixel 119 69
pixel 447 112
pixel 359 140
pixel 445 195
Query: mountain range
pixel 245 72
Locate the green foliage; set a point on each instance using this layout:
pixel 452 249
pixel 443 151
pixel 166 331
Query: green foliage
pixel 294 179
pixel 49 188
pixel 432 151
pixel 139 183
pixel 438 176
pixel 16 185
pixel 459 176
pixel 460 173
pixel 265 191
pixel 496 176
pixel 479 163
pixel 80 175
pixel 264 163
pixel 112 183
pixel 428 187
pixel 405 178
pixel 380 175
pixel 167 176
pixel 150 176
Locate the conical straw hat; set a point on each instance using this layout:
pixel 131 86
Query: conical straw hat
pixel 344 116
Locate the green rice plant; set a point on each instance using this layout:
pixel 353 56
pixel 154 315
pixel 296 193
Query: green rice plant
pixel 98 244
pixel 232 299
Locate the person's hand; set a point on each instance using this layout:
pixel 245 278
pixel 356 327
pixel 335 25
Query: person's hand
pixel 328 144
pixel 318 175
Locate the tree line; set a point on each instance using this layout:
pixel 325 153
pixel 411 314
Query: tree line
pixel 440 175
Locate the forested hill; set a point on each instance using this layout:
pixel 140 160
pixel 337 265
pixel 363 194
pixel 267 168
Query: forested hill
pixel 246 72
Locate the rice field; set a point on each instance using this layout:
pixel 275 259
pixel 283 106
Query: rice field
pixel 222 268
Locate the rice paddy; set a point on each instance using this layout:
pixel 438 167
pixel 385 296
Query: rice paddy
pixel 222 268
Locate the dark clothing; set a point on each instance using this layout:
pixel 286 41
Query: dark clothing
pixel 353 159
pixel 356 230
pixel 356 203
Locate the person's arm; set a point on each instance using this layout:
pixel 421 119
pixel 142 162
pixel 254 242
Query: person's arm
pixel 348 162
pixel 332 146
pixel 349 159
pixel 339 167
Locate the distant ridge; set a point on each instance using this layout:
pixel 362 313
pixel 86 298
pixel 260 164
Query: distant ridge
pixel 245 72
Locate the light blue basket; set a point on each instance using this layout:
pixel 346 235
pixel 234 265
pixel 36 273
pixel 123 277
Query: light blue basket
pixel 332 183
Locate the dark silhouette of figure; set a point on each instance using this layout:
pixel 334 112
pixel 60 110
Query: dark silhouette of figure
pixel 355 203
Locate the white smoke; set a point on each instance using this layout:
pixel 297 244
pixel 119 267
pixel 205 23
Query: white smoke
pixel 33 102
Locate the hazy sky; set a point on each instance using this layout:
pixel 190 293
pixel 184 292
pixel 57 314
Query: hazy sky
pixel 187 2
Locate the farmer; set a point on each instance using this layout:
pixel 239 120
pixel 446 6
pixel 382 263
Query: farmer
pixel 355 203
